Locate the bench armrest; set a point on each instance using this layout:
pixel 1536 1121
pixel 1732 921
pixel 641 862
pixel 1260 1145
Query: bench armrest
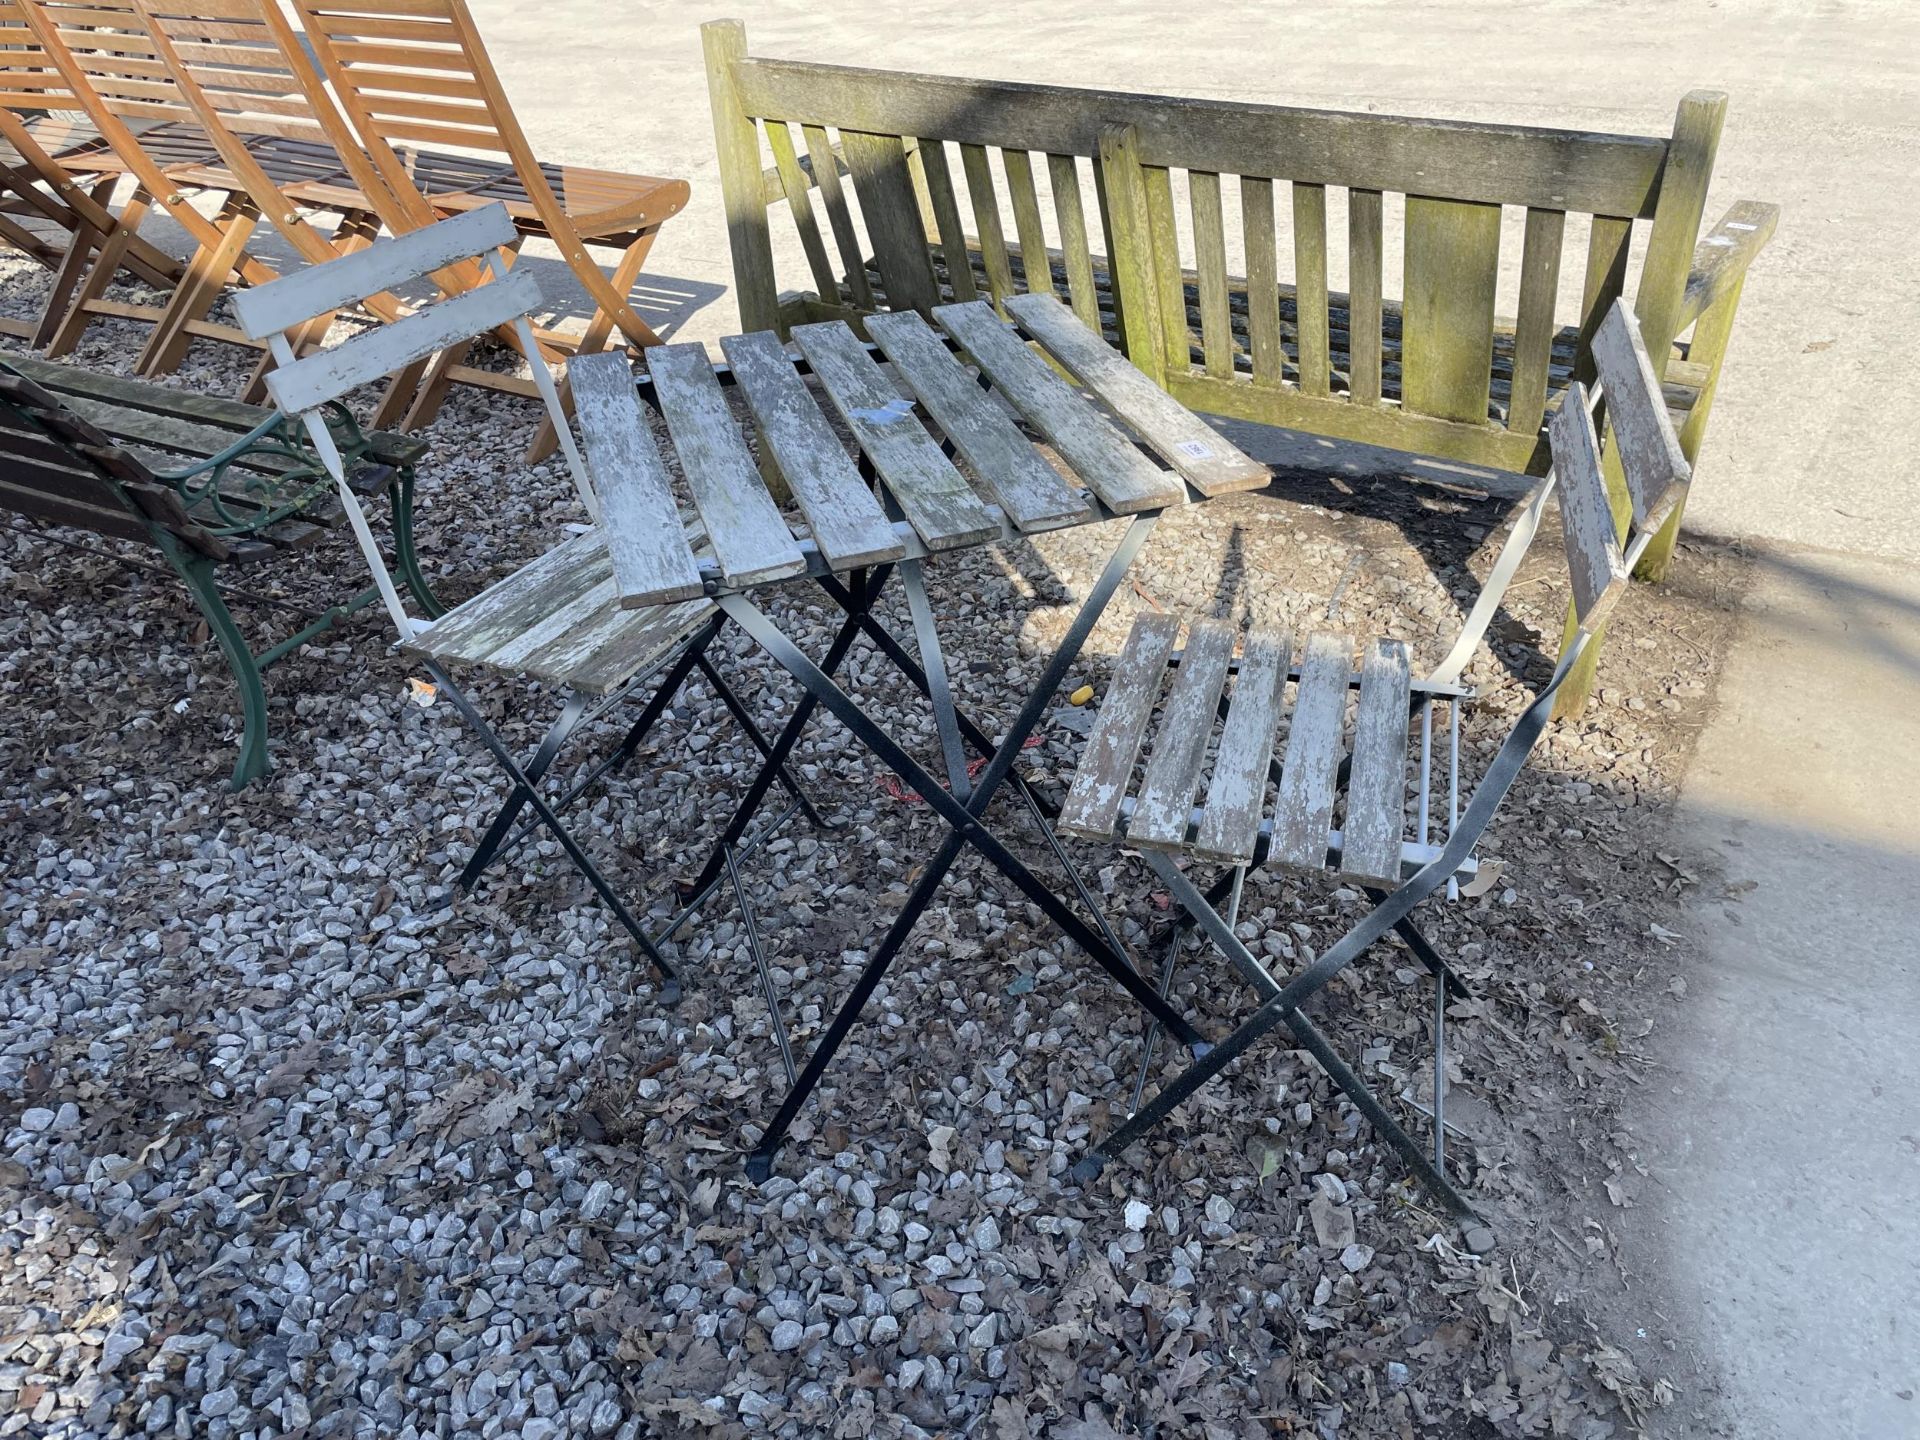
pixel 1721 258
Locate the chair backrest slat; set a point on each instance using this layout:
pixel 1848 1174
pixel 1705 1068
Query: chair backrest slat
pixel 1594 559
pixel 368 357
pixel 1656 467
pixel 29 80
pixel 300 386
pixel 321 289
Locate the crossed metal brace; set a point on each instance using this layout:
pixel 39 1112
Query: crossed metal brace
pixel 1281 1004
pixel 962 802
pixel 502 837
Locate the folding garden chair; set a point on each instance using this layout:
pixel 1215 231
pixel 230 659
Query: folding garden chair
pixel 60 174
pixel 247 73
pixel 417 70
pixel 111 66
pixel 557 621
pixel 1319 810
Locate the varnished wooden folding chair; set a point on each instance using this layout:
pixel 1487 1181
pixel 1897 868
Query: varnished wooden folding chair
pixel 417 70
pixel 112 67
pixel 60 175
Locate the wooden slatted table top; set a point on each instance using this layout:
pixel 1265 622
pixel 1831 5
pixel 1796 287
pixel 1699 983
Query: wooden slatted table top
pixel 1126 446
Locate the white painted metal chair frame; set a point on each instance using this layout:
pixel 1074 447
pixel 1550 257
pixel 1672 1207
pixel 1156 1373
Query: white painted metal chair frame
pixel 1657 475
pixel 303 385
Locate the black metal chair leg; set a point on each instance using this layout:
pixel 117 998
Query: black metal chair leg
pixel 669 978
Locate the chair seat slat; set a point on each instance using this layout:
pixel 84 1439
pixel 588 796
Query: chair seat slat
pixel 1303 809
pixel 1377 791
pixel 934 496
pixel 1100 784
pixel 1210 464
pixel 1093 447
pixel 1180 744
pixel 1235 795
pixel 750 540
pixel 847 522
pixel 1028 490
pixel 1650 450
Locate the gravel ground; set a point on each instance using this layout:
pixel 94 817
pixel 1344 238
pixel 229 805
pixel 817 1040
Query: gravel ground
pixel 292 1147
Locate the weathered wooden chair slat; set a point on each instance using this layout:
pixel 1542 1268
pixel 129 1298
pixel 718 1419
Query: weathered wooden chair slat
pixel 1303 809
pixel 1099 786
pixel 637 508
pixel 1231 820
pixel 846 521
pixel 1592 543
pixel 1375 822
pixel 1650 451
pixel 1126 480
pixel 1211 464
pixel 1028 490
pixel 1180 746
pixel 750 540
pixel 931 493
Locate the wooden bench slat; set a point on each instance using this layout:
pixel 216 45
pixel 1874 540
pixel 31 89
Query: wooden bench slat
pixel 1069 212
pixel 826 175
pixel 750 540
pixel 892 215
pixel 990 234
pixel 1093 447
pixel 846 520
pixel 796 184
pixel 1608 242
pixel 1656 467
pixel 1212 465
pixel 1365 264
pixel 1018 165
pixel 1310 286
pixel 1028 490
pixel 1269 357
pixel 1533 327
pixel 1236 795
pixel 1377 789
pixel 1594 562
pixel 1452 264
pixel 651 561
pixel 933 495
pixel 1210 259
pixel 1100 784
pixel 932 157
pixel 1180 744
pixel 1303 809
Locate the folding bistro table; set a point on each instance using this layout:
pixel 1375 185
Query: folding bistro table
pixel 859 537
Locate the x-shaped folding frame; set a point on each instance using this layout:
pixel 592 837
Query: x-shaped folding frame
pixel 962 802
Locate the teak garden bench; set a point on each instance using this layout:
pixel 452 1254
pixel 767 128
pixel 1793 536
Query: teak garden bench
pixel 1437 372
pixel 212 484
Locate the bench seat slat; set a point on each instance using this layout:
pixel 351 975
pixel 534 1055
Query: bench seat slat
pixel 1093 447
pixel 1377 791
pixel 847 522
pixel 1100 784
pixel 750 540
pixel 933 495
pixel 1180 744
pixel 1210 464
pixel 1028 490
pixel 1303 809
pixel 1238 790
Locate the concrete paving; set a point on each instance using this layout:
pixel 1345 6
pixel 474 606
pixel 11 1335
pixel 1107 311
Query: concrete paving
pixel 1784 1134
